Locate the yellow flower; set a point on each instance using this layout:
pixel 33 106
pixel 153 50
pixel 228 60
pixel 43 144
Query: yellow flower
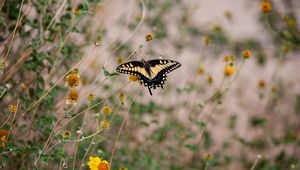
pixel 12 108
pixel 286 48
pixel 290 22
pixel 3 136
pixel 133 78
pixel 106 110
pixel 72 80
pixel 84 81
pixel 93 65
pixel 210 79
pixel 2 141
pixel 103 165
pixel 97 43
pixel 228 58
pixel 228 15
pixel 246 54
pixel 123 168
pixel 77 11
pixel 120 60
pixel 138 18
pixel 76 70
pixel 91 97
pixel 208 156
pixel 105 123
pixel 149 37
pixel 261 84
pixel 274 88
pixel 201 69
pixel 122 97
pixel 3 132
pixel 94 162
pixel 229 70
pixel 265 7
pixel 72 96
pixel 206 40
pixel 3 64
pixel 293 135
pixel 287 34
pixel 67 134
pixel 217 28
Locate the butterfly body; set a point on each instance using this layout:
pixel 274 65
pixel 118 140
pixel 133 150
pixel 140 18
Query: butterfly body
pixel 151 73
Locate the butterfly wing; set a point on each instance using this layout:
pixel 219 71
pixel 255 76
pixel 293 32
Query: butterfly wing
pixel 135 68
pixel 162 66
pixel 159 69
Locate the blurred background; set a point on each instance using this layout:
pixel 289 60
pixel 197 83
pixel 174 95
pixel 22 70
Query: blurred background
pixel 233 104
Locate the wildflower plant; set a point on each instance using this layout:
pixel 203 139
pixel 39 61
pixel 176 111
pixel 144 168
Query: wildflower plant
pixel 234 103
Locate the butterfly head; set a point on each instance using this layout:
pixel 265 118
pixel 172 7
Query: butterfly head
pixel 144 62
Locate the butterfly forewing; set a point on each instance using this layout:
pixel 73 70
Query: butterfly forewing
pixel 163 66
pixel 134 68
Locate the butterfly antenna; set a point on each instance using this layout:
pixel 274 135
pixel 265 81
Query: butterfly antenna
pixel 147 52
pixel 138 54
pixel 150 90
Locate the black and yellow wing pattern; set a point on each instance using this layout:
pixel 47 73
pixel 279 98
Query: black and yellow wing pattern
pixel 151 73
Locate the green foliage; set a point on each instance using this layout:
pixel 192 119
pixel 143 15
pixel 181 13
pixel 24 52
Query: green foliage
pixel 108 74
pixel 201 119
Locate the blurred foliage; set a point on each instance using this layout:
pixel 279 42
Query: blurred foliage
pixel 43 132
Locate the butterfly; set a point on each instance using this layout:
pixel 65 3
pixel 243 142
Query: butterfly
pixel 151 73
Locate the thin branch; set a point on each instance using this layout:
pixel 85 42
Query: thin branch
pixel 120 129
pixel 14 31
pixel 96 104
pixel 56 14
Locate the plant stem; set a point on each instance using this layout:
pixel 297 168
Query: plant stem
pixel 120 129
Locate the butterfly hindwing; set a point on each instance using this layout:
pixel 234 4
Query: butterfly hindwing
pixel 157 81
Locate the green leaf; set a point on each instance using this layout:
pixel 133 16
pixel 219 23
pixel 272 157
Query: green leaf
pixel 202 124
pixel 143 123
pixel 4 160
pixel 60 137
pixel 25 101
pixel 31 149
pixel 60 155
pixel 207 140
pixel 232 121
pixel 74 29
pixel 192 147
pixel 35 44
pixel 44 158
pixel 1 21
pixel 85 7
pixel 31 92
pixel 108 74
pixel 257 121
